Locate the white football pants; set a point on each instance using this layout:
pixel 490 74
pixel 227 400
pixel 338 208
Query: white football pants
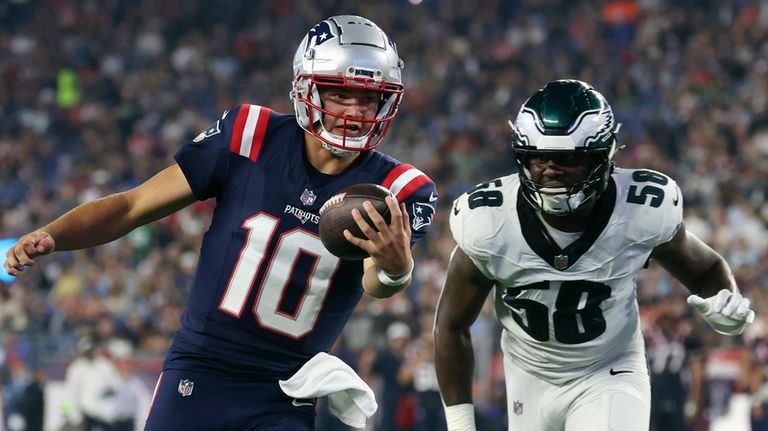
pixel 614 398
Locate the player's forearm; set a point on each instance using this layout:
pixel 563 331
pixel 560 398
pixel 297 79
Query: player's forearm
pixel 93 223
pixel 454 364
pixel 717 277
pixel 701 269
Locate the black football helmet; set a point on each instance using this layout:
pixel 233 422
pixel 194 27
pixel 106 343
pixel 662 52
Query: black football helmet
pixel 564 117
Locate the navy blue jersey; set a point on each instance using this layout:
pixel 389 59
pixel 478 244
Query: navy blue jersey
pixel 267 295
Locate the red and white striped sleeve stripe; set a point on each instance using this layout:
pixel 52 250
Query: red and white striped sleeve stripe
pixel 249 130
pixel 403 180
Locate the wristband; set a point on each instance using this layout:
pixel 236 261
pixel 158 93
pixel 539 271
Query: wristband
pixel 391 280
pixel 460 417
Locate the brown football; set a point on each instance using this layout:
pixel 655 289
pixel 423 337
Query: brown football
pixel 336 215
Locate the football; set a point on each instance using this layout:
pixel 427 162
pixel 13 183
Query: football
pixel 336 215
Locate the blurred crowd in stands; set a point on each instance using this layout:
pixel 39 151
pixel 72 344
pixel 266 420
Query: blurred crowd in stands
pixel 97 95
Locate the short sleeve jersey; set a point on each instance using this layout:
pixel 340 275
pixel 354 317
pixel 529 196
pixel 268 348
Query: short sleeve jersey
pixel 566 311
pixel 267 295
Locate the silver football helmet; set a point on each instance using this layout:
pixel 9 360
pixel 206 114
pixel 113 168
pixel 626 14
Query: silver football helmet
pixel 352 52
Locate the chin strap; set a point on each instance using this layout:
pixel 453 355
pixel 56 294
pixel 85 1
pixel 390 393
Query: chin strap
pixel 338 152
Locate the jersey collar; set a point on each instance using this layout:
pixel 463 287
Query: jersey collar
pixel 537 237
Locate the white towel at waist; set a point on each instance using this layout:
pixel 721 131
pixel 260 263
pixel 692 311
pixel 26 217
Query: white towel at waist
pixel 349 398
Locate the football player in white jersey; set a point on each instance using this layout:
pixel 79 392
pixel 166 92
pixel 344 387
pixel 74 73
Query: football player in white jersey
pixel 562 242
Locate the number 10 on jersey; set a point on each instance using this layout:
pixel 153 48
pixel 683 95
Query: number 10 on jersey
pixel 289 246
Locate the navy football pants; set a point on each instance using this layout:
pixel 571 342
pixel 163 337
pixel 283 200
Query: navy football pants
pixel 218 403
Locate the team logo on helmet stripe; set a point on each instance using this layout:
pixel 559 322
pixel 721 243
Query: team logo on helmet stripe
pixel 319 34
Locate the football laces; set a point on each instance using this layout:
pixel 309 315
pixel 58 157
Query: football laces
pixel 333 200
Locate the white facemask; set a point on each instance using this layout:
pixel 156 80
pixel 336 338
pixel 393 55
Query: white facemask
pixel 556 201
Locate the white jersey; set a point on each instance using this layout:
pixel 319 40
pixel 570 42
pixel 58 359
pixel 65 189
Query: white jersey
pixel 567 311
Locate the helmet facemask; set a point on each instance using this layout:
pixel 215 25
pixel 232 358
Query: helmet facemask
pixel 353 53
pixel 306 96
pixel 568 199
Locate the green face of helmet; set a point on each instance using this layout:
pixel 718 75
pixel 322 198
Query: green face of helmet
pixel 561 104
pixel 565 115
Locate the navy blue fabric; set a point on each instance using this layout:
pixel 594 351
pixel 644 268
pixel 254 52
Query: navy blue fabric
pixel 272 186
pixel 218 403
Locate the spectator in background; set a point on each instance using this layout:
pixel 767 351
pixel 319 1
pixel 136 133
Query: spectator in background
pixel 92 379
pixel 727 387
pixel 676 362
pixel 24 393
pixel 76 375
pixel 107 396
pixel 381 368
pixel 418 371
pixel 132 399
pixel 755 367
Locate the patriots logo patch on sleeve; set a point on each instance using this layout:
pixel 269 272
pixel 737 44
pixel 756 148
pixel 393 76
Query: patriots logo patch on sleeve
pixel 207 133
pixel 422 215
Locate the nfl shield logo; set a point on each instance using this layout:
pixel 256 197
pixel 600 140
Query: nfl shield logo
pixel 185 387
pixel 517 408
pixel 308 198
pixel 561 261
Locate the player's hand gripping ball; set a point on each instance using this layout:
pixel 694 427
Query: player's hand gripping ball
pixel 336 215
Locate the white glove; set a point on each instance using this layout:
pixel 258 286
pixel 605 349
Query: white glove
pixel 728 313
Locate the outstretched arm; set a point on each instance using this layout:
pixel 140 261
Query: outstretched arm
pixel 103 220
pixel 708 277
pixel 462 299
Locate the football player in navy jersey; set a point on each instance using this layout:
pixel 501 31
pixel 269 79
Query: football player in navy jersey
pixel 267 296
pixel 562 241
